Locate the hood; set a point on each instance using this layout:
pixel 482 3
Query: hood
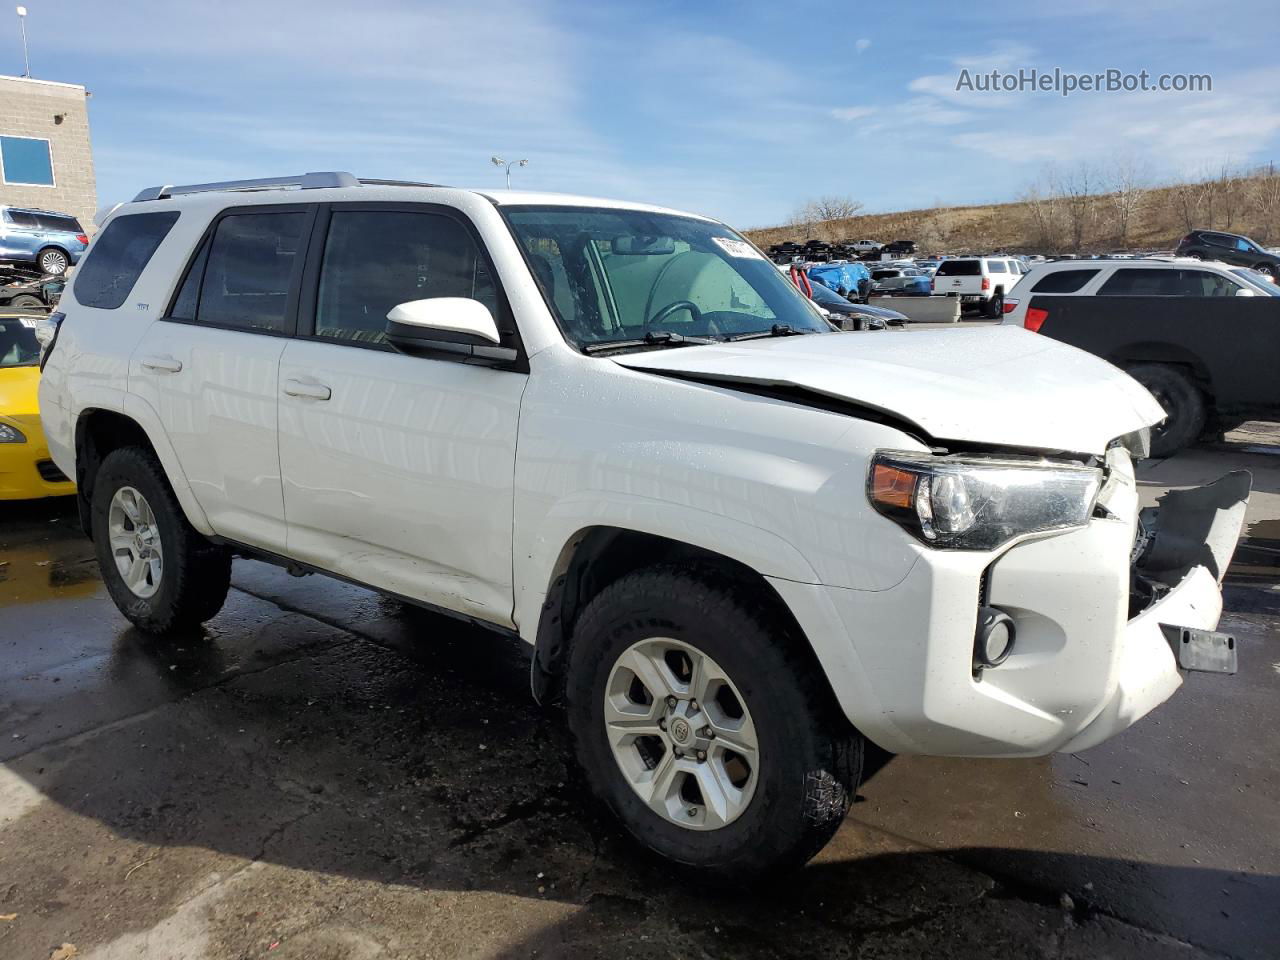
pixel 988 385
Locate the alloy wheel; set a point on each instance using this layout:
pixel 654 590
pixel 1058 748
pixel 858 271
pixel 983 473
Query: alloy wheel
pixel 681 734
pixel 134 538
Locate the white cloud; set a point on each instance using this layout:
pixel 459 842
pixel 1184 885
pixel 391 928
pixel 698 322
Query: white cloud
pixel 852 113
pixel 862 44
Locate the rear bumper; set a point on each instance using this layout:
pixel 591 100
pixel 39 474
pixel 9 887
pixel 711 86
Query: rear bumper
pixel 1081 669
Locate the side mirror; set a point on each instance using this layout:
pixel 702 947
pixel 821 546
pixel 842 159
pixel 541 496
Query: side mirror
pixel 1245 292
pixel 456 328
pixel 419 318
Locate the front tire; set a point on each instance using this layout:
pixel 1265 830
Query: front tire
pixel 26 301
pixel 705 726
pixel 1183 405
pixel 53 261
pixel 162 574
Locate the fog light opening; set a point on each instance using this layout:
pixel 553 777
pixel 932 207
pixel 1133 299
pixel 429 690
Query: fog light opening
pixel 994 640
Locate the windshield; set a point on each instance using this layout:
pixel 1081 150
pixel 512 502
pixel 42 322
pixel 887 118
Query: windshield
pixel 823 294
pixel 18 345
pixel 611 274
pixel 1258 281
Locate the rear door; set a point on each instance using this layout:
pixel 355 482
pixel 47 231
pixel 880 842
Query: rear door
pixel 399 470
pixel 210 366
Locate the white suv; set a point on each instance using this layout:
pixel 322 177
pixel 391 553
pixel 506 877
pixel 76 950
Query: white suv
pixel 737 541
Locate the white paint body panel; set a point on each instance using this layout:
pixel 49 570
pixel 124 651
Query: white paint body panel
pixel 403 478
pixel 467 487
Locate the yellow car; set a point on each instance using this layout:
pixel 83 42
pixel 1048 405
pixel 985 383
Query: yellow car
pixel 25 468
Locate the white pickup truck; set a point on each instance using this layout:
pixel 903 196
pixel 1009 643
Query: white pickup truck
pixel 980 280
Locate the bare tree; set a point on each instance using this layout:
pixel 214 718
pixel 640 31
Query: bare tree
pixel 1043 218
pixel 1228 190
pixel 1127 180
pixel 1075 188
pixel 1185 199
pixel 1264 201
pixel 817 215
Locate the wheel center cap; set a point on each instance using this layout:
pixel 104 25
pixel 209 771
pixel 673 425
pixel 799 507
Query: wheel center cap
pixel 680 730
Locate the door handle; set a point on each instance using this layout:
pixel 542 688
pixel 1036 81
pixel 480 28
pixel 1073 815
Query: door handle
pixel 311 391
pixel 161 364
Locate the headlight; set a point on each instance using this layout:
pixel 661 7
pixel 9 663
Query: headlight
pixel 10 434
pixel 958 503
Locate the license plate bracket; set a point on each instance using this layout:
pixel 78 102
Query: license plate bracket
pixel 1203 651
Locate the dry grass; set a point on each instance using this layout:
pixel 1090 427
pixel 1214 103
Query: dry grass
pixel 1158 223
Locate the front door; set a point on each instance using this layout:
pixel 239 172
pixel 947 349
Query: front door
pixel 210 368
pixel 398 471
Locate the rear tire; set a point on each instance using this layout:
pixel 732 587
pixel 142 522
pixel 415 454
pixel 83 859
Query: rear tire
pixel 1267 269
pixel 137 522
pixel 26 301
pixel 807 760
pixel 1183 404
pixel 52 261
pixel 995 307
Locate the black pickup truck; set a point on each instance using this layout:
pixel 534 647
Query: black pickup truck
pixel 1212 361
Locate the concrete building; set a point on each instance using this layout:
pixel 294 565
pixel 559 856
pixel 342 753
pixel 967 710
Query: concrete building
pixel 45 157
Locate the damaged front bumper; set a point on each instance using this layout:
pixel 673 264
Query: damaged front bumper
pixel 1182 551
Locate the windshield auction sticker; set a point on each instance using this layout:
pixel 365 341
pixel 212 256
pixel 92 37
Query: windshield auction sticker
pixel 737 248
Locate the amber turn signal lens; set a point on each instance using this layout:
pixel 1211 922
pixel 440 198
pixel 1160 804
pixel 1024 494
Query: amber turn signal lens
pixel 893 487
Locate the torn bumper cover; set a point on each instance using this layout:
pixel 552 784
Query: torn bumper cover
pixel 1183 551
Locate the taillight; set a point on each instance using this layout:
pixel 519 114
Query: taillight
pixel 1035 319
pixel 83 238
pixel 986 283
pixel 1010 306
pixel 933 284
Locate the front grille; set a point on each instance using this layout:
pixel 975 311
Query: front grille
pixel 50 473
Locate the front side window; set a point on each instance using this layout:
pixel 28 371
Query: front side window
pixel 117 259
pixel 374 260
pixel 250 265
pixel 1063 281
pixel 26 160
pixel 610 274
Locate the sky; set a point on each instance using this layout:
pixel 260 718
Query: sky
pixel 742 111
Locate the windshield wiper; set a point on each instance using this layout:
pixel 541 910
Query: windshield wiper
pixel 654 338
pixel 777 330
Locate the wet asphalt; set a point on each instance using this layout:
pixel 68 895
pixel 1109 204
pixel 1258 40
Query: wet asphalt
pixel 322 773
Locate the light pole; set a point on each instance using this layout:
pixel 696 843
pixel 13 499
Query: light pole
pixel 499 162
pixel 22 22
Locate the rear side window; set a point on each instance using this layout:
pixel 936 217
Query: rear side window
pixel 960 268
pixel 248 271
pixel 374 260
pixel 997 266
pixel 1167 283
pixel 118 257
pixel 1063 281
pixel 49 221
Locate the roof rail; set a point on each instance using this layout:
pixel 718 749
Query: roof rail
pixel 305 181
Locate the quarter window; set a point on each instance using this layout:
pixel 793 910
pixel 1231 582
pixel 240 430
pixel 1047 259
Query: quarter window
pixel 1167 283
pixel 26 160
pixel 374 260
pixel 1063 281
pixel 118 257
pixel 248 271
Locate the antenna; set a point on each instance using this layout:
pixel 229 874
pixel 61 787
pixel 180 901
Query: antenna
pixel 22 22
